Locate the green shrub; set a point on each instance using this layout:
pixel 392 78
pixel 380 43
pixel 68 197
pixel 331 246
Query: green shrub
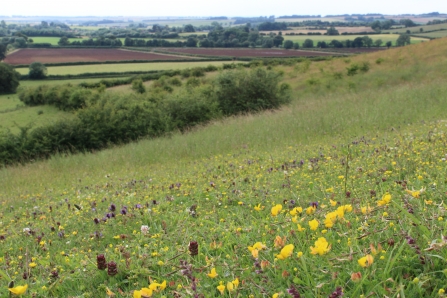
pixel 352 69
pixel 243 91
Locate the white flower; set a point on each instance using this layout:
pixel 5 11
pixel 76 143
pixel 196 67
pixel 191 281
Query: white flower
pixel 144 229
pixel 26 230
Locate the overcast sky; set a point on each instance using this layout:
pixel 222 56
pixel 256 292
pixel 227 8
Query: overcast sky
pixel 215 8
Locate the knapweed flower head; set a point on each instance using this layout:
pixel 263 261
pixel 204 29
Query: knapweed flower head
pixel 366 261
pixel 213 273
pixel 276 209
pixel 386 199
pixel 321 247
pixel 286 252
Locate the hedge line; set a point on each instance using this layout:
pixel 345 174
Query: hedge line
pixel 103 119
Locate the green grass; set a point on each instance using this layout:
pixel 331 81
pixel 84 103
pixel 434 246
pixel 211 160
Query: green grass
pixel 31 116
pixel 316 38
pixel 9 102
pixel 368 148
pixel 52 40
pixel 416 30
pixel 98 68
pixel 435 34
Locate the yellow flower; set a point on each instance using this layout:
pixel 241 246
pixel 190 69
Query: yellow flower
pixel 386 199
pixel 296 210
pixel 299 254
pixel 259 207
pixel 276 295
pixel 333 203
pixel 366 210
pixel 285 252
pixel 366 261
pixel 311 210
pixel 213 273
pixel 32 264
pixel 109 292
pixel 276 210
pixel 255 253
pixel 321 247
pixel 221 288
pixel 235 283
pixel 230 286
pixel 313 224
pixel 19 290
pixel 136 294
pixel 300 228
pixel 257 245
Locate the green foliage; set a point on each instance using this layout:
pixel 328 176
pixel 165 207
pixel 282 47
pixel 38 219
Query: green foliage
pixel 9 78
pixel 37 71
pixel 353 69
pixel 137 86
pixel 308 43
pixel 403 39
pixel 288 44
pixel 244 91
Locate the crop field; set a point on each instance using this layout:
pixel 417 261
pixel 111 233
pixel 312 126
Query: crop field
pixel 334 19
pixel 123 67
pixel 27 56
pixel 243 52
pixel 339 194
pixel 316 38
pixel 183 22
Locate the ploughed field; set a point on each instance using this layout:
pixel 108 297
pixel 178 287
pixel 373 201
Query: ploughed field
pixel 27 56
pixel 245 52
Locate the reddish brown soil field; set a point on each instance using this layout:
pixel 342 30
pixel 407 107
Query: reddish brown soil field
pixel 245 52
pixel 28 56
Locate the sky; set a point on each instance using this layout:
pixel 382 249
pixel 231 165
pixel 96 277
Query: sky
pixel 215 8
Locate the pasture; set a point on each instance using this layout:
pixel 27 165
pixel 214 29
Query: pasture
pixel 417 29
pixel 51 40
pixel 341 192
pixel 123 67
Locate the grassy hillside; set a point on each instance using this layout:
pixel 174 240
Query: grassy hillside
pixel 349 178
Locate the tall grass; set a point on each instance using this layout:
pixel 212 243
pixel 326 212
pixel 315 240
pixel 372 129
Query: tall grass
pixel 404 89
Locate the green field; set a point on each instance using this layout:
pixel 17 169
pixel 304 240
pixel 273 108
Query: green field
pixel 52 40
pixel 316 38
pixel 342 191
pixel 14 114
pixel 99 68
pixel 416 30
pixel 194 22
pixel 435 34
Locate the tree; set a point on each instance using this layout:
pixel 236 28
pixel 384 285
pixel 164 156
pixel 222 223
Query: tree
pixel 3 24
pixel 389 44
pixel 267 42
pixel 63 41
pixel 277 40
pixel 189 28
pixel 191 42
pixel 37 71
pixel 378 42
pixel 9 78
pixel 403 39
pixel 332 31
pixel 308 43
pixel 3 48
pixel 367 41
pixel 322 45
pixel 296 46
pixel 336 43
pixel 288 44
pixel 407 23
pixel 357 43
